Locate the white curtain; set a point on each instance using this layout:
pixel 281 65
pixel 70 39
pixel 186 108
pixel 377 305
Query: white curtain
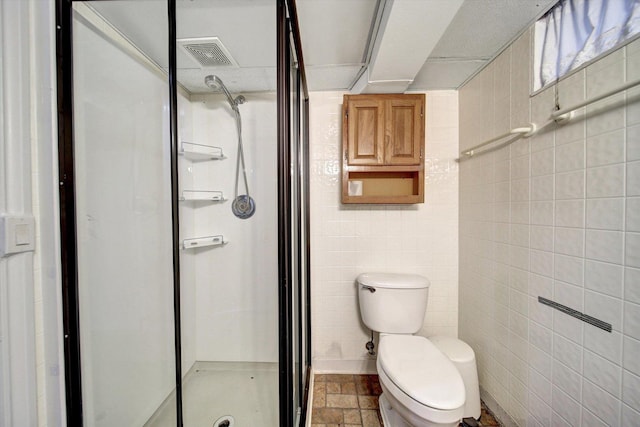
pixel 576 31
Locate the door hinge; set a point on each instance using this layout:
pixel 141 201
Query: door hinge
pixel 421 152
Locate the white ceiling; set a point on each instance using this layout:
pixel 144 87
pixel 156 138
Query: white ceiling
pixel 335 35
pixel 408 32
pixel 476 34
pixel 247 28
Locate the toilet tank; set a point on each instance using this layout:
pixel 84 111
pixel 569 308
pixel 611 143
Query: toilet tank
pixel 393 303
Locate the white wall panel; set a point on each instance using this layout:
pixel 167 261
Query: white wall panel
pixel 236 285
pixel 18 395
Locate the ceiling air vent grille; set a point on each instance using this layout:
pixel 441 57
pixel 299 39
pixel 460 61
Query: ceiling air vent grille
pixel 208 52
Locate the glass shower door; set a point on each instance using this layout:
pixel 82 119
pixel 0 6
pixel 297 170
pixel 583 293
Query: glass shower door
pixel 200 327
pixel 123 216
pixel 226 65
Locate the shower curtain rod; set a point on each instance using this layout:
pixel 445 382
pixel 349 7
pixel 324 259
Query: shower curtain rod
pixel 561 117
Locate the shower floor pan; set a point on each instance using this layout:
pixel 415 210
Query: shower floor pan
pixel 247 391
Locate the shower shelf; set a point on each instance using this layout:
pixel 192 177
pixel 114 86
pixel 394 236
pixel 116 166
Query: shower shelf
pixel 194 195
pixel 193 151
pixel 201 242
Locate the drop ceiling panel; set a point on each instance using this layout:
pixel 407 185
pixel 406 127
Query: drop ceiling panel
pixel 478 32
pixel 144 23
pixel 335 32
pixel 481 28
pixel 237 80
pixel 436 75
pixel 247 28
pixel 332 77
pixel 334 35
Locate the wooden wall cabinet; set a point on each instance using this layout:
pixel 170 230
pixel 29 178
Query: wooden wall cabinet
pixel 383 144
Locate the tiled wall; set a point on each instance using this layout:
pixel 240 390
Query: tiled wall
pixel 556 215
pixel 349 239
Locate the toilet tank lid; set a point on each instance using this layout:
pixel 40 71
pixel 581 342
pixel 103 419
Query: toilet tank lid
pixel 393 280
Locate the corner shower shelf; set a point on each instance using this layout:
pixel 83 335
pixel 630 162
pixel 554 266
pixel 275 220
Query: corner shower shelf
pixel 201 242
pixel 195 195
pixel 193 151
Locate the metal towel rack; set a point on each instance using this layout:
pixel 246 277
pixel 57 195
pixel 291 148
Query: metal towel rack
pixel 575 313
pixel 561 116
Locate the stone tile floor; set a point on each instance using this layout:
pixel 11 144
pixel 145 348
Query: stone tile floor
pixel 487 418
pixel 345 401
pixel 341 400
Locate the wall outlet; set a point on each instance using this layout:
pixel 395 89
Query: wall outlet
pixel 17 234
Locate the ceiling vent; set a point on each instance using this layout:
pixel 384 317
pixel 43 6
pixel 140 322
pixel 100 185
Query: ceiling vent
pixel 208 52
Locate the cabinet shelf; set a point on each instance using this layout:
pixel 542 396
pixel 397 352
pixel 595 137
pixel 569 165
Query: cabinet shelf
pixel 195 152
pixel 383 186
pixel 201 242
pixel 205 196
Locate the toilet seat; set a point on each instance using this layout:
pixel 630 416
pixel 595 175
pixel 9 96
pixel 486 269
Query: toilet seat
pixel 420 378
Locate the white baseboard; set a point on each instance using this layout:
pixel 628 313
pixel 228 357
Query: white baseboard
pixel 334 366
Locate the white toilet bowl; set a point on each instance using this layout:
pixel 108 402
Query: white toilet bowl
pixel 421 387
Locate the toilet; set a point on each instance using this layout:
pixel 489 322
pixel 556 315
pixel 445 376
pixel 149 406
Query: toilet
pixel 424 383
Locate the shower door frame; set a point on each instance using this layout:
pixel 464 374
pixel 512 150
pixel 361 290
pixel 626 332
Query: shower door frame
pixel 293 146
pixel 287 40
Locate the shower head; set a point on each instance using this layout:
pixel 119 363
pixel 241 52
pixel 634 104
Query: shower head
pixel 215 83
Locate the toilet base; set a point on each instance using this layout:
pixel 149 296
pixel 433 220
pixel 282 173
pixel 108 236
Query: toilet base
pixel 391 418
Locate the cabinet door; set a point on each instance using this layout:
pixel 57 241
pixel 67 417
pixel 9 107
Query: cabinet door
pixel 365 131
pixel 404 131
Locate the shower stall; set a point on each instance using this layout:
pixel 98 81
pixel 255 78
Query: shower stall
pixel 183 131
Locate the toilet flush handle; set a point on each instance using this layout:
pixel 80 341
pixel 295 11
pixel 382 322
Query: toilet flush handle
pixel 369 288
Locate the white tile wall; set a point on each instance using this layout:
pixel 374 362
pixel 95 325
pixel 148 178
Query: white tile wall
pixel 349 239
pixel 562 210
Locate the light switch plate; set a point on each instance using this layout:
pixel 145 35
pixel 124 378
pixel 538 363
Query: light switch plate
pixel 17 234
